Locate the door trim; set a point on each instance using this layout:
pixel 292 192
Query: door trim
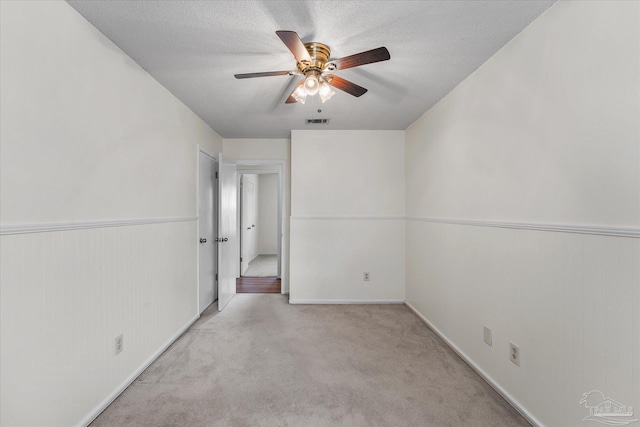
pixel 227 228
pixel 277 167
pixel 199 149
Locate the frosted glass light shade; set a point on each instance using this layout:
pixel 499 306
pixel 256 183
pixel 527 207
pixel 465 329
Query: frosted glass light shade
pixel 312 84
pixel 325 92
pixel 300 94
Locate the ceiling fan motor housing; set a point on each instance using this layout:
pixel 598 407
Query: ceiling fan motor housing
pixel 319 54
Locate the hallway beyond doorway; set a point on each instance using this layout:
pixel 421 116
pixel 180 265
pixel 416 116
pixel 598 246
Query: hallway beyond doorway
pixel 262 266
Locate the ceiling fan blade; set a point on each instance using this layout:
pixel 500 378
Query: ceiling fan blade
pixel 267 74
pixel 345 85
pixel 295 45
pixel 291 99
pixel 362 58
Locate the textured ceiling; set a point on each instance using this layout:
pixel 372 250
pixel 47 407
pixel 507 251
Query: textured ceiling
pixel 194 48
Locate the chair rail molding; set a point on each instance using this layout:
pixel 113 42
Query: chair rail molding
pixel 632 232
pixel 353 217
pixel 8 229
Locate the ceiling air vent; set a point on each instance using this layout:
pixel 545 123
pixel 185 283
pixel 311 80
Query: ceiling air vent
pixel 317 121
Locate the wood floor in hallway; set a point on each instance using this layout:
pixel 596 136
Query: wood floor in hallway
pixel 258 285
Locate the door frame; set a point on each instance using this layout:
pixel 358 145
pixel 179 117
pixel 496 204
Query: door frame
pixel 263 167
pixel 203 150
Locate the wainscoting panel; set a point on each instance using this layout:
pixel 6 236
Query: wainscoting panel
pixel 330 255
pixel 67 295
pixel 568 300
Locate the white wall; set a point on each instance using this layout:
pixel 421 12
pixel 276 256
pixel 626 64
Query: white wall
pixel 268 214
pixel 88 138
pixel 347 216
pixel 257 149
pixel 265 151
pixel 101 138
pixel 546 133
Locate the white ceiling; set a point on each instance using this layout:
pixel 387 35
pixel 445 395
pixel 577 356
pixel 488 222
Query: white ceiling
pixel 194 48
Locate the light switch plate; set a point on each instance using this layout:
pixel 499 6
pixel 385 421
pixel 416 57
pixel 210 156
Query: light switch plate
pixel 487 336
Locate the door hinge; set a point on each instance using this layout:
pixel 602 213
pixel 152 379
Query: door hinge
pixel 216 175
pixel 216 277
pixel 240 259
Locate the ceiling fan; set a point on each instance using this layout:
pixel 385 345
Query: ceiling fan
pixel 313 62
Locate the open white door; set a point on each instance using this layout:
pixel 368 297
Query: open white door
pixel 207 210
pixel 227 231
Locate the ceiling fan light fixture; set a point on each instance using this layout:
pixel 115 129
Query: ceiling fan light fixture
pixel 325 92
pixel 300 94
pixel 312 84
pixel 312 62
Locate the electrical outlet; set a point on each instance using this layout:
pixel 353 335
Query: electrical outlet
pixel 487 336
pixel 365 276
pixel 514 353
pixel 119 344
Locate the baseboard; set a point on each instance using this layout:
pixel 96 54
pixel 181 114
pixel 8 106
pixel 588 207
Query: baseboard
pixel 346 301
pixel 513 402
pixel 268 253
pixel 118 391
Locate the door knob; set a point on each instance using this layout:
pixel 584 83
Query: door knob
pixel 224 239
pixel 203 240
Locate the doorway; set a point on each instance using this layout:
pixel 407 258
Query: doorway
pixel 259 231
pixel 207 230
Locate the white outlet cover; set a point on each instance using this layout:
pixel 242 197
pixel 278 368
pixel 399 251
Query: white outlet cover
pixel 119 344
pixel 514 353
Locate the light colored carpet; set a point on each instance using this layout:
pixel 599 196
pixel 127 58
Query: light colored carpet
pixel 263 362
pixel 263 266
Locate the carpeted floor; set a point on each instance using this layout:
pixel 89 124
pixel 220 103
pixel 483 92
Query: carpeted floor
pixel 263 362
pixel 262 266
